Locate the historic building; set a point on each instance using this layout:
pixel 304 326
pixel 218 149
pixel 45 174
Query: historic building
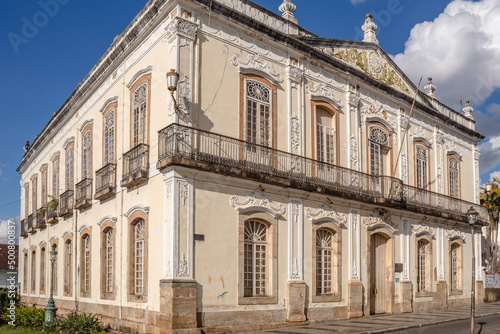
pixel 259 183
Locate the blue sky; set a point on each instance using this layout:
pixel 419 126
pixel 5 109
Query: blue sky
pixel 42 66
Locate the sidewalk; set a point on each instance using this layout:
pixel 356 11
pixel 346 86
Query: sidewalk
pixel 388 323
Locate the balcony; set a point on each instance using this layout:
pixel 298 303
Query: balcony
pixel 105 179
pixel 30 226
pixel 185 146
pixel 135 166
pixel 66 204
pixel 40 218
pixel 83 191
pixel 52 215
pixel 24 228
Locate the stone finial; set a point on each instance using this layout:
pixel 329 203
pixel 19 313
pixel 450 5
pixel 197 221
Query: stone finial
pixel 26 146
pixel 369 27
pixel 430 88
pixel 287 8
pixel 468 110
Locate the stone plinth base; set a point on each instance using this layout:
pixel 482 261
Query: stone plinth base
pixel 479 292
pixel 178 306
pixel 441 294
pixel 296 301
pixel 406 297
pixel 355 299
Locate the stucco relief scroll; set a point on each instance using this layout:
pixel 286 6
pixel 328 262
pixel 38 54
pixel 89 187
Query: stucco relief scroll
pixel 325 213
pixel 455 233
pixel 324 92
pixel 423 228
pixel 380 218
pixel 182 27
pixel 295 132
pixel 257 201
pixel 256 62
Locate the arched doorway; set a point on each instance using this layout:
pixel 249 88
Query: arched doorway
pixel 379 273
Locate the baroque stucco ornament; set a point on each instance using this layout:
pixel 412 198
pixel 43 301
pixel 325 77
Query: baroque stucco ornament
pixel 455 233
pixel 326 213
pixel 380 218
pixel 295 74
pixel 295 131
pixel 423 228
pixel 323 92
pixel 256 62
pixel 182 27
pixel 257 201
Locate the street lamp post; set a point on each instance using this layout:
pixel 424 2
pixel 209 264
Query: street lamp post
pixel 471 217
pixel 50 310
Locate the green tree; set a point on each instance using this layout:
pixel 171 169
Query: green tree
pixel 492 203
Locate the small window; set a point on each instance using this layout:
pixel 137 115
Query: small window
pixel 255 259
pixel 67 268
pixel 139 245
pixel 26 201
pixel 25 273
pixel 454 174
pixel 324 262
pixel 87 155
pixel 423 266
pixel 34 195
pixel 379 145
pixel 44 187
pixel 258 116
pixel 54 273
pixel 139 114
pixel 42 270
pixel 69 168
pixel 109 137
pixel 422 167
pixel 108 260
pixel 86 264
pixel 55 178
pixel 456 267
pixel 33 272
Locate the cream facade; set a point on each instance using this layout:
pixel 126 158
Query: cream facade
pixel 275 193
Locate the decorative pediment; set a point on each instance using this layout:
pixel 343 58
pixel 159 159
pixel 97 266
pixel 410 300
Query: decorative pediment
pixel 455 233
pixel 182 27
pixel 380 218
pixel 326 214
pixel 374 64
pixel 322 92
pixel 257 201
pixel 295 74
pixel 423 228
pixel 256 64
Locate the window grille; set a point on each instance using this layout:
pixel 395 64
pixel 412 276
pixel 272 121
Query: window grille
pixel 455 280
pixel 109 260
pixel 324 262
pixel 69 168
pixel 422 172
pixel 454 178
pixel 109 137
pixel 54 275
pixel 33 195
pixel 422 270
pixel 27 201
pixel 67 267
pixel 42 269
pixel 139 114
pixel 140 234
pixel 87 151
pixel 258 123
pixel 86 263
pixel 25 272
pixel 325 137
pixel 55 178
pixel 255 259
pixel 33 271
pixel 44 187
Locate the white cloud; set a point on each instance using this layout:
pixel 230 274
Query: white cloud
pixel 4 228
pixel 355 2
pixel 495 174
pixel 459 49
pixel 490 154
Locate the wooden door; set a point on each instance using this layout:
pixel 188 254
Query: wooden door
pixel 377 275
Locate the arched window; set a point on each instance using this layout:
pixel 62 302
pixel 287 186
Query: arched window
pixel 255 259
pixel 258 113
pixel 422 166
pixel 26 201
pixel 67 268
pixel 85 280
pixel 69 168
pixel 33 271
pixel 456 267
pixel 44 187
pixel 139 114
pixel 87 155
pixel 423 265
pixel 454 175
pixel 139 247
pixel 42 270
pixel 109 137
pixel 379 145
pixel 25 273
pixel 108 259
pixel 324 262
pixel 325 136
pixel 54 272
pixel 34 189
pixel 55 178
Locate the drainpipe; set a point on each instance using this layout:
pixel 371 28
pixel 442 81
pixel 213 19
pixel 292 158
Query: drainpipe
pixel 120 218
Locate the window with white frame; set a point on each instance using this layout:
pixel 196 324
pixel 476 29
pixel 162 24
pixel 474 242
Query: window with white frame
pixel 456 267
pixel 379 145
pixel 55 178
pixel 109 137
pixel 42 269
pixel 87 154
pixel 44 187
pixel 67 267
pixel 34 195
pixel 33 271
pixel 423 266
pixel 324 262
pixel 325 136
pixel 139 114
pixel 422 165
pixel 86 264
pixel 258 114
pixel 108 260
pixel 255 259
pixel 139 247
pixel 454 175
pixel 69 168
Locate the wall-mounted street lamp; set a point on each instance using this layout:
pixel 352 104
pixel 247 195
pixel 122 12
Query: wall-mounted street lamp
pixel 471 218
pixel 50 310
pixel 172 80
pixel 489 186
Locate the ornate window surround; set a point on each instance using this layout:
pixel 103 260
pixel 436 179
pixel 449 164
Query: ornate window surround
pixel 376 122
pixel 87 129
pixel 84 232
pixel 458 242
pixel 316 104
pixel 140 78
pixel 448 158
pixel 107 224
pixel 416 144
pixel 110 106
pixel 430 259
pixel 133 218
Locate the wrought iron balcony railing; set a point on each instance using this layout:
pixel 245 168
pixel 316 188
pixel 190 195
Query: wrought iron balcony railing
pixel 105 179
pixel 135 166
pixel 181 145
pixel 52 214
pixel 40 217
pixel 66 204
pixel 83 198
pixel 31 225
pixel 24 228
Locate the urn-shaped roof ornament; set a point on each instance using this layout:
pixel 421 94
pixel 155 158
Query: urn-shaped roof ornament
pixel 468 110
pixel 369 27
pixel 287 8
pixel 26 146
pixel 430 88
